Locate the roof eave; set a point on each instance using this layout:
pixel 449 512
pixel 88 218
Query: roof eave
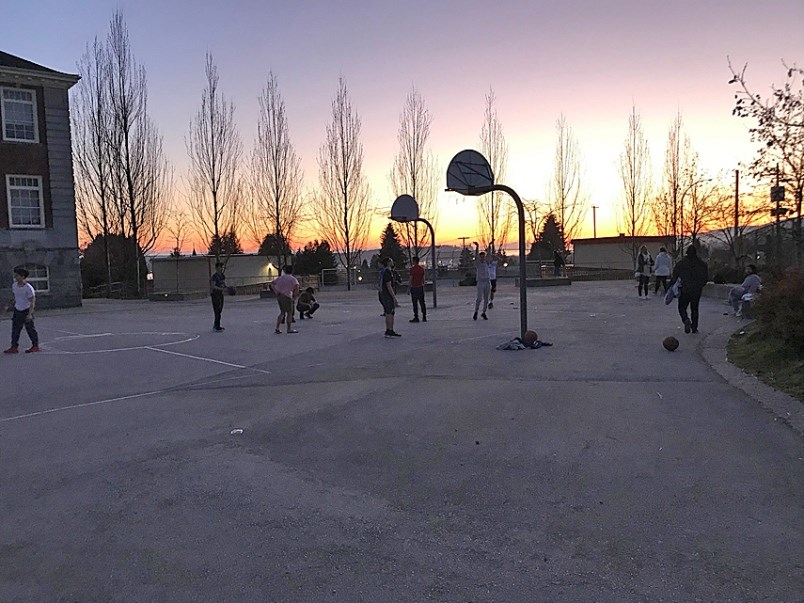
pixel 29 76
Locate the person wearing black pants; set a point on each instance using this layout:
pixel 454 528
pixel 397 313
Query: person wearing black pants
pixel 217 287
pixel 24 302
pixel 694 273
pixel 416 287
pixel 307 304
pixel 644 265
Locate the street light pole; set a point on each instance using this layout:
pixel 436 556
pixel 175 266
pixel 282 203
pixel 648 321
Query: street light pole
pixel 594 221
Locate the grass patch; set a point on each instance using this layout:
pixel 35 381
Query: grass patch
pixel 770 359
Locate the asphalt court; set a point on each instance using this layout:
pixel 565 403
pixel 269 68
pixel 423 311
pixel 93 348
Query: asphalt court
pixel 145 457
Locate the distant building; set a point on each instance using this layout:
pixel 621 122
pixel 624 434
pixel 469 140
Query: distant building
pixel 615 252
pixel 189 274
pixel 37 214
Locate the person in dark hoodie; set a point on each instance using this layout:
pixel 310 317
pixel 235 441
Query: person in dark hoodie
pixel 694 273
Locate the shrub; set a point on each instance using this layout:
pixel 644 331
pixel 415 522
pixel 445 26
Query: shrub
pixel 780 308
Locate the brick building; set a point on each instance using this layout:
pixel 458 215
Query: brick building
pixel 37 209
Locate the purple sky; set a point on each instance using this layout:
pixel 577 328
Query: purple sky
pixel 590 59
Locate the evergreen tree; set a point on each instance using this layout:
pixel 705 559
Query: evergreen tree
pixel 466 258
pixel 225 245
pixel 123 266
pixel 275 247
pixel 315 257
pixel 550 238
pixel 390 247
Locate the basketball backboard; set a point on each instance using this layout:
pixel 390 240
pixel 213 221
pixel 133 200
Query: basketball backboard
pixel 405 209
pixel 467 171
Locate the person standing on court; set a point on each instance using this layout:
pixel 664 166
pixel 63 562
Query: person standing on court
pixel 388 296
pixel 286 289
pixel 492 280
pixel 483 282
pixel 694 274
pixel 644 264
pixel 24 302
pixel 416 286
pixel 558 262
pixel 217 287
pixel 662 269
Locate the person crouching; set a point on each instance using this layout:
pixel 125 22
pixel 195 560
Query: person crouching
pixel 307 304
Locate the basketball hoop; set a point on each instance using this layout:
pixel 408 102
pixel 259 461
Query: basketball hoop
pixel 469 171
pixel 405 209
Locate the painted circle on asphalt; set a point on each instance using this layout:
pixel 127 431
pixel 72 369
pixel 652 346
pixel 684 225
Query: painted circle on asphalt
pixel 115 342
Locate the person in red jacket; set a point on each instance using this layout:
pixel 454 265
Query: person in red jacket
pixel 416 286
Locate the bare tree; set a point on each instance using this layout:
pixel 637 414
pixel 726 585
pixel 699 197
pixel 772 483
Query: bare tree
pixel 700 197
pixel 140 173
pixel 779 132
pixel 732 223
pixel 495 215
pixel 91 153
pixel 671 182
pixel 276 175
pixel 567 199
pixel 214 148
pixel 178 227
pixel 342 204
pixel 414 171
pixel 636 179
pixel 535 213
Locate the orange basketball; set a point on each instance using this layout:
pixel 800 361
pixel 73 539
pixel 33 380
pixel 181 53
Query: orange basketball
pixel 670 344
pixel 530 337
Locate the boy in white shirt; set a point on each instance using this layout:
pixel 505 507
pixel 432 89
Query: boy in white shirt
pixel 24 302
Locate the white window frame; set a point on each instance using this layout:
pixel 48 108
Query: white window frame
pixel 37 279
pixel 11 224
pixel 33 102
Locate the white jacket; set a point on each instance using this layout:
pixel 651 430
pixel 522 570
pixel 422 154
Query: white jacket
pixel 663 265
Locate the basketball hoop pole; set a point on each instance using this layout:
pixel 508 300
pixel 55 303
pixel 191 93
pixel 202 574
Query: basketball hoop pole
pixel 433 256
pixel 523 269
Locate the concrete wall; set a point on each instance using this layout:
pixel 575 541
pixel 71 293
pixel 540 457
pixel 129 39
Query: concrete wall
pixel 188 274
pixel 609 254
pixel 57 245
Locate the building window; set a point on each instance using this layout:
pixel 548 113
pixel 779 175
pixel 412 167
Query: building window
pixel 19 115
pixel 38 276
pixel 25 203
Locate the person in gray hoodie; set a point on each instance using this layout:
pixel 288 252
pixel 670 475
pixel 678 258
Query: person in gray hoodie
pixel 751 284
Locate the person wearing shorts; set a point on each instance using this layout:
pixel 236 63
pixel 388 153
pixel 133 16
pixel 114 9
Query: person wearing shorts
pixel 286 288
pixel 388 296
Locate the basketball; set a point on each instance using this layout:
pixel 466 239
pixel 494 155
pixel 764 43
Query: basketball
pixel 670 344
pixel 530 337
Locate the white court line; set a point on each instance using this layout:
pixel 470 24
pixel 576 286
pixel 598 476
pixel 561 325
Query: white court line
pixel 238 366
pixel 83 405
pixel 128 349
pixel 109 400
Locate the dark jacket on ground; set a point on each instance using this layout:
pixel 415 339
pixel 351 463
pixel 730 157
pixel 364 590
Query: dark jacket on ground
pixel 694 274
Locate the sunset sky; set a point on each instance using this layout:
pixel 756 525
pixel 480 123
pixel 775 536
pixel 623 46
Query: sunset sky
pixel 591 60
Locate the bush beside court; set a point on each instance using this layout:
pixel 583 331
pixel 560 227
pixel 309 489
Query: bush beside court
pixel 772 348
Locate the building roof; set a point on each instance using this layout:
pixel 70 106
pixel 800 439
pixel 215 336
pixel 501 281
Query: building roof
pixel 22 68
pixel 623 239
